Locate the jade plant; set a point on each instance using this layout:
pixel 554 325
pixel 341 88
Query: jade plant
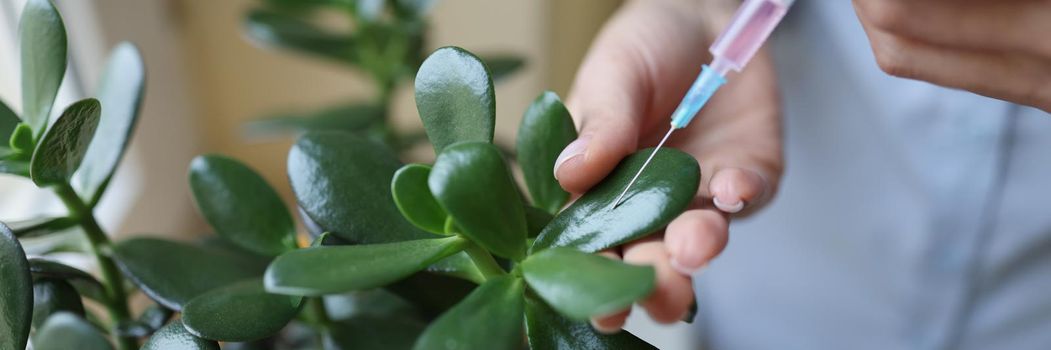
pixel 465 216
pixel 387 41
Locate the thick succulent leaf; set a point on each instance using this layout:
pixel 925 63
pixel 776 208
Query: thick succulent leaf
pixel 121 91
pixel 503 66
pixel 351 117
pixel 473 184
pixel 282 30
pixel 64 331
pixel 414 198
pixel 242 311
pixel 454 95
pixel 536 220
pixel 16 295
pixel 21 143
pixel 594 286
pixel 14 168
pixel 338 269
pixel 62 148
pixel 8 122
pixel 342 183
pixel 368 332
pixel 43 38
pixel 84 283
pixel 546 129
pixel 432 294
pixel 51 296
pixel 173 273
pixel 458 265
pixel 374 302
pixel 489 318
pixel 546 329
pixel 241 206
pixel 41 226
pixel 174 336
pixel 663 192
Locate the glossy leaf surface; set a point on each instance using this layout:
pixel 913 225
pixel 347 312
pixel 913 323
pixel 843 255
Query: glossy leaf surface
pixel 373 333
pixel 414 198
pixel 374 302
pixel 242 311
pixel 281 30
pixel 663 191
pixel 43 47
pixel 241 206
pixel 489 318
pixel 581 285
pixel 62 148
pixel 337 269
pixel 64 331
pixel 173 273
pixel 472 182
pixel 545 131
pixel 16 295
pixel 174 336
pixel 85 284
pixel 546 329
pixel 121 91
pixel 454 95
pixel 351 117
pixel 52 296
pixel 342 183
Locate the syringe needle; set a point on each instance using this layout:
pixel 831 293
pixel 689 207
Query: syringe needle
pixel 644 164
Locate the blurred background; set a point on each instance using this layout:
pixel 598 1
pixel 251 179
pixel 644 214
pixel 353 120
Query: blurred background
pixel 206 80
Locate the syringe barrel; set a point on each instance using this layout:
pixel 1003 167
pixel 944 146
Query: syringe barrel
pixel 749 28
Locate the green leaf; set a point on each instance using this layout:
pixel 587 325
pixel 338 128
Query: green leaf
pixel 174 336
pixel 432 294
pixel 8 121
pixel 368 332
pixel 416 8
pixel 21 141
pixel 337 269
pixel 64 331
pixel 121 91
pixel 594 286
pixel 14 168
pixel 342 183
pixel 545 131
pixel 43 38
pixel 489 318
pixel 663 192
pixel 277 29
pixel 241 206
pixel 503 66
pixel 172 273
pixel 494 217
pixel 52 296
pixel 16 295
pixel 414 198
pixel 536 220
pixel 41 226
pixel 454 95
pixel 63 146
pixel 350 117
pixel 239 312
pixel 379 303
pixel 84 283
pixel 546 329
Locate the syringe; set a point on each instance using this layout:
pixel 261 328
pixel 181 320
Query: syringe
pixel 735 46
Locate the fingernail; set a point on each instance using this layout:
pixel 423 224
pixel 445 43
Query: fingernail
pixel 574 149
pixel 730 207
pixel 604 330
pixel 686 269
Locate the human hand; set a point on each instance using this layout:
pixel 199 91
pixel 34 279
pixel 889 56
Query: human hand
pixel 997 48
pixel 634 76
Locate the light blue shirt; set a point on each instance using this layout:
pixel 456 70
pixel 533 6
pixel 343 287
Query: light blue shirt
pixel 909 217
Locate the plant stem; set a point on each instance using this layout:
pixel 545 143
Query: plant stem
pixel 317 307
pixel 116 299
pixel 484 261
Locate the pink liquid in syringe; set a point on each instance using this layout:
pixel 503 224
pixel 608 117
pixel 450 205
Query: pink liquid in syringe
pixel 751 25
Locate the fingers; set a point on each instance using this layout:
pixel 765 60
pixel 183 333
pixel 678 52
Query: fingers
pixel 733 188
pixel 1020 78
pixel 673 292
pixel 983 25
pixel 695 238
